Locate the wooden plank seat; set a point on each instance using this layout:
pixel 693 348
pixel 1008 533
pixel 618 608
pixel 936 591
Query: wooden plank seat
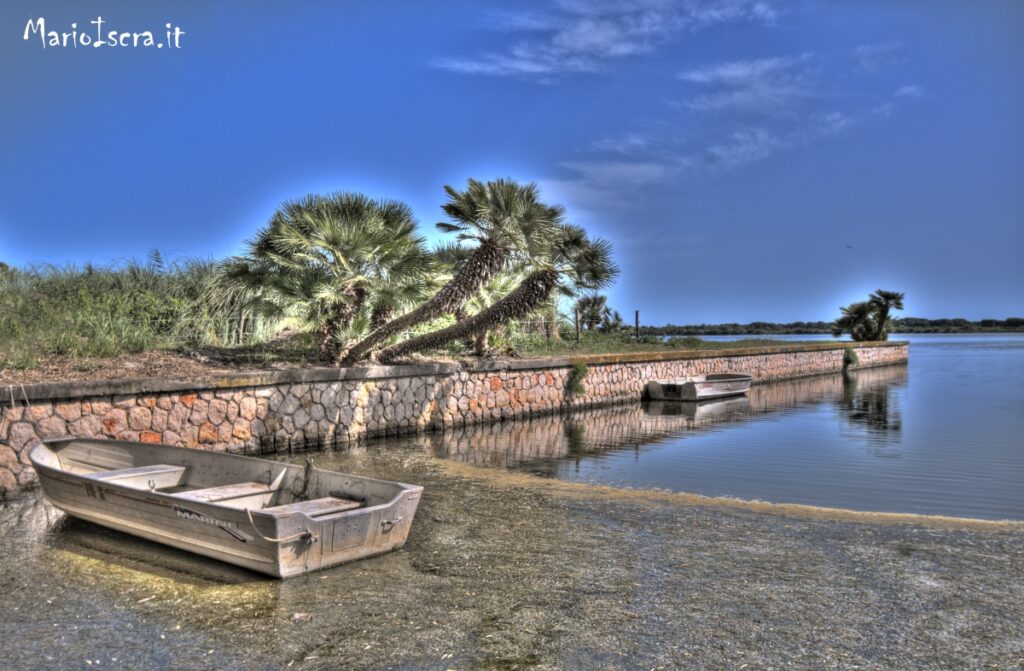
pixel 121 473
pixel 154 476
pixel 225 492
pixel 314 507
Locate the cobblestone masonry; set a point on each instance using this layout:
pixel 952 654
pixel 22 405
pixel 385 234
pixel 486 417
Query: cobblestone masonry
pixel 242 413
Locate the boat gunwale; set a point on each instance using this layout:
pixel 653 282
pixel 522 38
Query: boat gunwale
pixel 170 500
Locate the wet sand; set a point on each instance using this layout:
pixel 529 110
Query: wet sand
pixel 509 571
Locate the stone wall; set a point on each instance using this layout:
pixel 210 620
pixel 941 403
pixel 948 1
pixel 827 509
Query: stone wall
pixel 254 411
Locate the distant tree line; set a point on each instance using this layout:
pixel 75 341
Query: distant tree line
pixel 901 325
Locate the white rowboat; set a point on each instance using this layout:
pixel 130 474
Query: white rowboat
pixel 275 518
pixel 700 388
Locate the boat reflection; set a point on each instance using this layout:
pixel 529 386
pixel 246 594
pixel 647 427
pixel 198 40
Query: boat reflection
pixel 698 410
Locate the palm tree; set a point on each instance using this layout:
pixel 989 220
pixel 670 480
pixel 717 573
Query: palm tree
pixel 325 259
pixel 612 323
pixel 502 218
pixel 568 262
pixel 593 310
pixel 857 320
pixel 869 320
pixel 882 303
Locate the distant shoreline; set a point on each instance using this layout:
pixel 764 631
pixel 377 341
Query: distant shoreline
pixel 909 325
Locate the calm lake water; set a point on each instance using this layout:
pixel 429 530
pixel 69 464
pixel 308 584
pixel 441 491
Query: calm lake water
pixel 943 435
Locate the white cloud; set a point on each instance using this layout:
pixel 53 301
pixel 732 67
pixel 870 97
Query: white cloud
pixel 767 85
pixel 744 146
pixel 603 184
pixel 909 91
pixel 627 144
pixel 871 57
pixel 581 36
pixel 883 110
pixel 833 122
pixel 621 173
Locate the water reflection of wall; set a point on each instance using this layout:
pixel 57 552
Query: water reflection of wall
pixel 863 398
pixel 872 407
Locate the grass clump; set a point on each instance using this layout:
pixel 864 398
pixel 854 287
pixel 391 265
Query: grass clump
pixel 90 311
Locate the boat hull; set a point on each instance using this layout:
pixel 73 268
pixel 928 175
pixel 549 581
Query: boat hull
pixel 277 545
pixel 699 389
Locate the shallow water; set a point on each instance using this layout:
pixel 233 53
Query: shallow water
pixel 941 436
pixel 508 571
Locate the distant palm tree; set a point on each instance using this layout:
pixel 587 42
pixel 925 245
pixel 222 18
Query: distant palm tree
pixel 856 320
pixel 612 323
pixel 330 260
pixel 882 303
pixel 593 310
pixel 503 218
pixel 868 320
pixel 568 262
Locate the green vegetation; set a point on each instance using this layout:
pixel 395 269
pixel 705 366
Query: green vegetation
pixel 574 381
pixel 102 312
pixel 339 264
pixel 850 358
pixel 345 278
pixel 595 314
pixel 565 261
pixel 600 343
pixel 504 220
pixel 869 320
pixel 348 275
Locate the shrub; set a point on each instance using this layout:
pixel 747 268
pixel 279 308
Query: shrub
pixel 574 382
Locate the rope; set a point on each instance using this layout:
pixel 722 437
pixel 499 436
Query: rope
pixel 306 535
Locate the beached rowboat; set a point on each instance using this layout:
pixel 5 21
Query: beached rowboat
pixel 700 388
pixel 275 518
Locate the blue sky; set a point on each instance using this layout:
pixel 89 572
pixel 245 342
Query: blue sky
pixel 750 160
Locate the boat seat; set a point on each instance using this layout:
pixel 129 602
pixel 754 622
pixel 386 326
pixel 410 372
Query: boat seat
pixel 155 476
pixel 225 492
pixel 155 469
pixel 314 507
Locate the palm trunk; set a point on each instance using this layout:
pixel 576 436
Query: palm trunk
pixel 486 261
pixel 480 343
pixel 380 315
pixel 324 337
pixel 881 327
pixel 524 299
pixel 339 319
pixel 460 314
pixel 553 333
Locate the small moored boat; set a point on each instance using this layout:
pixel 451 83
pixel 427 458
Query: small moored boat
pixel 700 388
pixel 275 518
